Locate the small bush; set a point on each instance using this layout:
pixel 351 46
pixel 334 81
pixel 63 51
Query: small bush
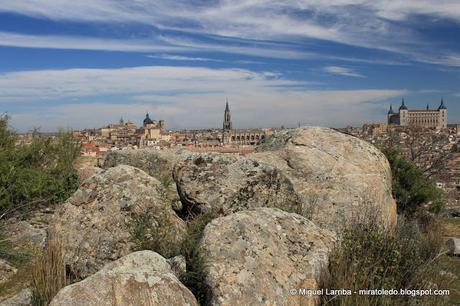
pixel 40 173
pixel 153 230
pixel 48 274
pixel 155 233
pixel 410 186
pixel 369 257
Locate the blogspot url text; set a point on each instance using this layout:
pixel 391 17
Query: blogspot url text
pixel 369 292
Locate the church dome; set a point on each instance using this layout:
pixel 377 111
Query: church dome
pixel 147 119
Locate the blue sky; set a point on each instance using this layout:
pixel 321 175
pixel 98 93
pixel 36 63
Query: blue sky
pixel 76 64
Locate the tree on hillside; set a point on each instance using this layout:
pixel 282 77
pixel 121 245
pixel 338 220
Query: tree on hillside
pixel 411 187
pixel 429 150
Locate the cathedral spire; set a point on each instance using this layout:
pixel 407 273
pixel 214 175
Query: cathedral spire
pixel 403 105
pixel 442 106
pixel 391 110
pixel 227 118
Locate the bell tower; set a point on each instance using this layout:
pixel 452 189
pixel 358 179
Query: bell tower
pixel 227 126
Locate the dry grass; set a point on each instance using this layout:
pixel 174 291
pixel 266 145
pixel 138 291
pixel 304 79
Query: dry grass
pixel 451 227
pixel 451 265
pixel 48 273
pixel 368 257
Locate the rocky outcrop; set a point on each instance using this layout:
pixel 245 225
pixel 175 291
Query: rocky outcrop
pixel 222 181
pixel 453 246
pixel 28 234
pixel 87 172
pixel 157 163
pixel 94 224
pixel 324 175
pixel 336 176
pixel 254 257
pixel 140 278
pixel 23 298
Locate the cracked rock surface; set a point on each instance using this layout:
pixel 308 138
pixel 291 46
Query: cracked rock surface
pixel 255 256
pixel 213 180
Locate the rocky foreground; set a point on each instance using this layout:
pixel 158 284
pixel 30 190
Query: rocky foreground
pixel 277 214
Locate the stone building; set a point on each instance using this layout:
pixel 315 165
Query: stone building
pixel 426 118
pixel 121 134
pixel 151 132
pixel 227 126
pixel 241 137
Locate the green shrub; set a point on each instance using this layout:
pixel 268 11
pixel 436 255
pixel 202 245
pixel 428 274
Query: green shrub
pixel 410 187
pixel 370 257
pixel 154 232
pixel 40 173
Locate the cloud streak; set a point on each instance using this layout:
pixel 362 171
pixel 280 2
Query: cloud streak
pixel 377 24
pixel 342 71
pixel 172 57
pixel 187 97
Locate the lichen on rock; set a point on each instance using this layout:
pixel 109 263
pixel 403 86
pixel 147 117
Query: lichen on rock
pixel 255 256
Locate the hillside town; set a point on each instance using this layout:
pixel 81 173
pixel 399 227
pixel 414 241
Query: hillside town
pixel 425 138
pixel 422 135
pixel 246 152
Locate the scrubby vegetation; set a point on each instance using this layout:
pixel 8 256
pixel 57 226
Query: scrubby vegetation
pixel 371 257
pixel 411 256
pixel 195 276
pixel 411 187
pixel 40 173
pixel 151 233
pixel 152 230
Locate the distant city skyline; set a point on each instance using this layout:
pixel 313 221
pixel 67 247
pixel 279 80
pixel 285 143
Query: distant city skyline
pixel 68 64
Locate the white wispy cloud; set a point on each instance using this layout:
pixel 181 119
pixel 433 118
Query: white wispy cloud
pixel 159 44
pixel 84 43
pixel 187 97
pixel 342 71
pixel 377 24
pixel 183 58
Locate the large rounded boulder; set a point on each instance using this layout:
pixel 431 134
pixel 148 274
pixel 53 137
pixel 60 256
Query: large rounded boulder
pixel 336 176
pixel 157 163
pixel 256 257
pixel 140 278
pixel 231 183
pixel 94 225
